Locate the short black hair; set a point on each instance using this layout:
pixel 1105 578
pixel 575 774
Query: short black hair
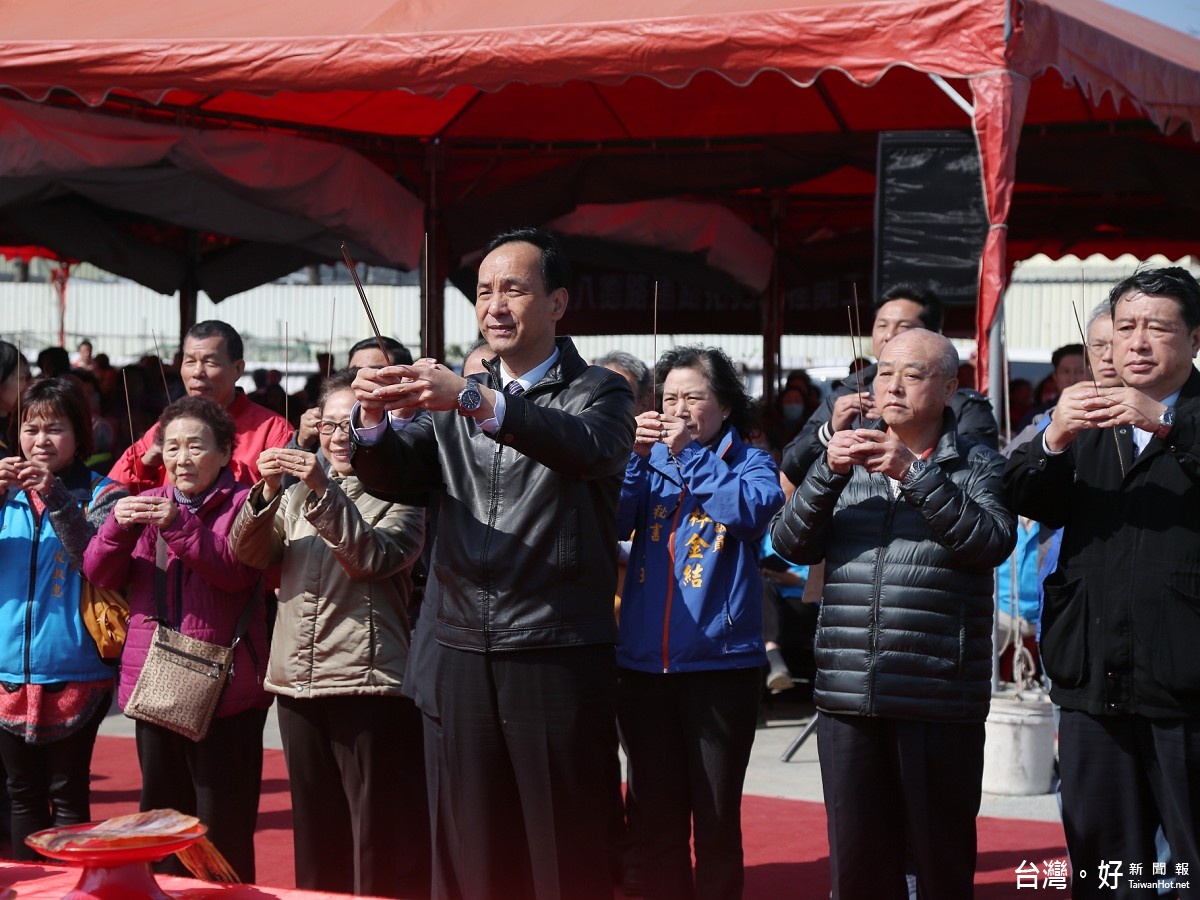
pixel 61 396
pixel 54 361
pixel 211 413
pixel 722 376
pixel 556 268
pixel 215 328
pixel 1170 281
pixel 9 357
pixel 398 353
pixel 1066 350
pixel 930 303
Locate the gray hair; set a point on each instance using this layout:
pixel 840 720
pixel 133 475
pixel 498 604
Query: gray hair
pixel 944 357
pixel 637 370
pixel 1101 309
pixel 948 361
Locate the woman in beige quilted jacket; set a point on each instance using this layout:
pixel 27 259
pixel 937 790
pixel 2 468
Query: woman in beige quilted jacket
pixel 352 743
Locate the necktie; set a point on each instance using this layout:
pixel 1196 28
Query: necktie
pixel 514 389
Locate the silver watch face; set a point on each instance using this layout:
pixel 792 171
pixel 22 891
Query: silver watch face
pixel 469 398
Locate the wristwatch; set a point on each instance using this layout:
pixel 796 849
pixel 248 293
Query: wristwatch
pixel 914 470
pixel 470 398
pixel 1166 421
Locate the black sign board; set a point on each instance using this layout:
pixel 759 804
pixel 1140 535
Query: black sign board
pixel 930 215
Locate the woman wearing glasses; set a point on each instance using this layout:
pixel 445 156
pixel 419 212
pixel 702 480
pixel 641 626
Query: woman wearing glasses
pixel 352 743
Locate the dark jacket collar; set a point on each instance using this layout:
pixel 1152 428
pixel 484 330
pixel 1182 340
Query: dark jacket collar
pixel 947 445
pixel 1191 387
pixel 566 368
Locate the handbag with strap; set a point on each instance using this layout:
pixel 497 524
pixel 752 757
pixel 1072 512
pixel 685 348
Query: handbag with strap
pixel 105 612
pixel 182 678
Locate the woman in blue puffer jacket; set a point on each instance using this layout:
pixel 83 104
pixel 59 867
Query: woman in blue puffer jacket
pixel 690 654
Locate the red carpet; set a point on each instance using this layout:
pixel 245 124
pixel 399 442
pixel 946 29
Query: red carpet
pixel 786 849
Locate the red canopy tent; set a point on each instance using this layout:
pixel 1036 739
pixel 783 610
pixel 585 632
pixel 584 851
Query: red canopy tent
pixel 494 110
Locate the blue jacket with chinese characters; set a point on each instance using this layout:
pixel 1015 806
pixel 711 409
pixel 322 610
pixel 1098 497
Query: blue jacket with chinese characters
pixel 693 594
pixel 41 550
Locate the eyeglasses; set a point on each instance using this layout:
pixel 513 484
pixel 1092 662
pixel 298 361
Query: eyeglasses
pixel 325 427
pixel 1099 347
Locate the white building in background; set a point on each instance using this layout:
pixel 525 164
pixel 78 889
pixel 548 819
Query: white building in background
pixel 126 320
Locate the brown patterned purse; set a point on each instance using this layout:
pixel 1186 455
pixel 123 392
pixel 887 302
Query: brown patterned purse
pixel 182 678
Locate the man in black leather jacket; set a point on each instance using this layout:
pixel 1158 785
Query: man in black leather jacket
pixel 529 460
pixel 899 308
pixel 909 518
pixel 1118 468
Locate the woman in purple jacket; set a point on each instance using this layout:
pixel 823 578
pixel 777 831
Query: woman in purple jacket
pixel 218 778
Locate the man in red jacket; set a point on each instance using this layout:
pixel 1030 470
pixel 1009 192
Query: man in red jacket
pixel 212 365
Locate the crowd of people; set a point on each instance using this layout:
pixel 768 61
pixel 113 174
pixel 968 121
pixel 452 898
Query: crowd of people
pixel 466 590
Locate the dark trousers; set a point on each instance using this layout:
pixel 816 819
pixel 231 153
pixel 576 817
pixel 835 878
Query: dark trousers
pixel 1123 776
pixel 217 780
pixel 360 822
pixel 5 808
pixel 792 624
pixel 523 773
pixel 431 738
pixel 897 784
pixel 49 784
pixel 688 737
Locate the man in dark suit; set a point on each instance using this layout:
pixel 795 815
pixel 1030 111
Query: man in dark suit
pixel 529 458
pixel 1119 469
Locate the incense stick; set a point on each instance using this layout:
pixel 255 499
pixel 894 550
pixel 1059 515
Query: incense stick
pixel 332 325
pixel 161 369
pixel 20 359
pixel 1087 360
pixel 366 304
pixel 654 349
pixel 425 323
pixel 856 346
pixel 128 407
pixel 286 360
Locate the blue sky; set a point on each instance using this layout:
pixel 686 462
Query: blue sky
pixel 1183 15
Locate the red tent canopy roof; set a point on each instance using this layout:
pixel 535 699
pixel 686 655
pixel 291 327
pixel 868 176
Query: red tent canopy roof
pixel 413 69
pixel 429 48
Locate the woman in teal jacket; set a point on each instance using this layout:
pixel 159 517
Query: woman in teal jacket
pixel 54 688
pixel 697 500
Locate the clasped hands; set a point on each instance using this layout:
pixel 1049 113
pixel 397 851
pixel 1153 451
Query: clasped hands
pixel 426 384
pixel 1085 406
pixel 275 462
pixel 25 474
pixel 131 512
pixel 659 428
pixel 875 451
